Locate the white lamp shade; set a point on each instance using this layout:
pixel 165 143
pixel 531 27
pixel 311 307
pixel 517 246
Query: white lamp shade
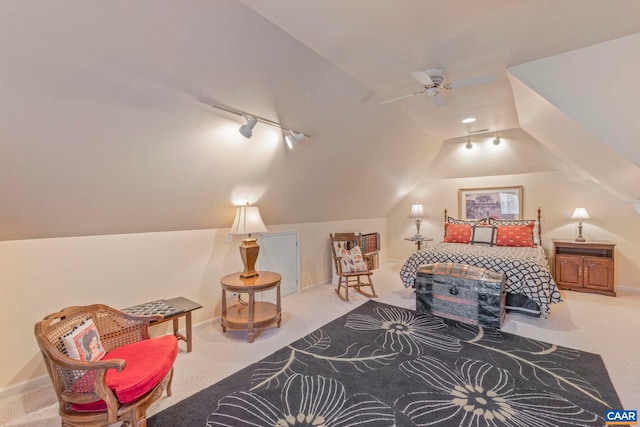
pixel 580 214
pixel 248 221
pixel 417 211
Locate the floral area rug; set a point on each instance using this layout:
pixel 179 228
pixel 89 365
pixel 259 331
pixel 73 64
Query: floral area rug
pixel 382 365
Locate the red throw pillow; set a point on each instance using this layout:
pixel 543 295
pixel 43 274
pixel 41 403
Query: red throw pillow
pixel 457 233
pixel 515 235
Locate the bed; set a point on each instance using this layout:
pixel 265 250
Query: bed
pixel 530 287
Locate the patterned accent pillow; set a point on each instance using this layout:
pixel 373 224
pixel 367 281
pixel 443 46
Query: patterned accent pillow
pixel 83 342
pixel 466 221
pixel 515 235
pixel 352 261
pixel 534 232
pixel 457 233
pixel 483 235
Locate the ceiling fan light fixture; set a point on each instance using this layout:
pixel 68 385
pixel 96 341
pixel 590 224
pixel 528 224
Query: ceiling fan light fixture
pixel 432 92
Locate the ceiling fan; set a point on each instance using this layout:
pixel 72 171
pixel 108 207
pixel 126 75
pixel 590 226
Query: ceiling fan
pixel 432 82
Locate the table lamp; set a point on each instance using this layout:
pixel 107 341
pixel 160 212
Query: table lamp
pixel 580 214
pixel 248 221
pixel 417 212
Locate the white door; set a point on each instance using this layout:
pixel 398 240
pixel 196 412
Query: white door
pixel 279 252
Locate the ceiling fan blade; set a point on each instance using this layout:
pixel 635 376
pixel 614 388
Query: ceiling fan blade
pixel 472 81
pixel 423 78
pixel 439 100
pixel 400 97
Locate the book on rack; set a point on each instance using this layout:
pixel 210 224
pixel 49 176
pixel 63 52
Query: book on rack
pixel 370 243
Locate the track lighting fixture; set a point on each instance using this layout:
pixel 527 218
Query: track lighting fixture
pixel 293 138
pixel 483 132
pixel 469 145
pixel 246 129
pixel 496 140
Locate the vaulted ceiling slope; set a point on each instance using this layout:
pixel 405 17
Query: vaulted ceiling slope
pixel 582 107
pixel 105 127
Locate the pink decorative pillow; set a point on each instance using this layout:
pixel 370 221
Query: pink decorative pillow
pixel 457 233
pixel 83 343
pixel 352 261
pixel 515 235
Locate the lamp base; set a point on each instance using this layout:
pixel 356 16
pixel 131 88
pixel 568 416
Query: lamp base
pixel 580 238
pixel 418 222
pixel 249 250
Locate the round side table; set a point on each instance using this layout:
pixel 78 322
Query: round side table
pixel 251 315
pixel 419 240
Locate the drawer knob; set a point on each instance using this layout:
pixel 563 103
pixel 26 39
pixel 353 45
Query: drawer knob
pixel 453 291
pixel 482 297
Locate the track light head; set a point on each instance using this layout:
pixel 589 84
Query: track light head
pixel 496 140
pixel 246 130
pixel 468 145
pixel 293 138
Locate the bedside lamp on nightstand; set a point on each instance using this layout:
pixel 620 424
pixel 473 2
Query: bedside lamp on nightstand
pixel 580 214
pixel 417 212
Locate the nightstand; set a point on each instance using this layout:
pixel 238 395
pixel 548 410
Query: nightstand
pixel 418 240
pixel 252 314
pixel 585 266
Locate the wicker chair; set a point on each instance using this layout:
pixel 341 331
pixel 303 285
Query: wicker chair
pixel 352 277
pixel 120 386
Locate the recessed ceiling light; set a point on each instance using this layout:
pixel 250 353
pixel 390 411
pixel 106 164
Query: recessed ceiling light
pixel 469 120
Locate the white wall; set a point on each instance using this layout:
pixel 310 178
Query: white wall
pixel 555 192
pixel 42 276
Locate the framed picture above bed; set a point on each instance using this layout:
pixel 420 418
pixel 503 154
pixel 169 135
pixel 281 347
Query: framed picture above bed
pixel 497 202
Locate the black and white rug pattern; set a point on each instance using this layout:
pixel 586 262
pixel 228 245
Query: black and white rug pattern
pixel 383 365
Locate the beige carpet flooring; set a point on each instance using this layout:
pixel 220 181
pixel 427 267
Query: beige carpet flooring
pixel 599 324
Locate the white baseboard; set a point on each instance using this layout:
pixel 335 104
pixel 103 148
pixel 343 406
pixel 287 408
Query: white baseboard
pixel 627 288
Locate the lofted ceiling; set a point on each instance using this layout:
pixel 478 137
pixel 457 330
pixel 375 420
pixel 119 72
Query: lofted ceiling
pixel 105 127
pixel 380 43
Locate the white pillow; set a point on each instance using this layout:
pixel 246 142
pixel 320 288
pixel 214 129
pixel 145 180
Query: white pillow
pixel 83 342
pixel 352 261
pixel 483 235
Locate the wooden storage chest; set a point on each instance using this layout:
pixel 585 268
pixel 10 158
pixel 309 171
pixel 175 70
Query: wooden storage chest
pixel 461 292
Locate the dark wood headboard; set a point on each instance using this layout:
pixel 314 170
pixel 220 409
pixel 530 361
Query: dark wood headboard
pixel 539 224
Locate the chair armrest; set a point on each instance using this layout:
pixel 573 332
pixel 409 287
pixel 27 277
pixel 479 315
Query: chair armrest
pixel 67 362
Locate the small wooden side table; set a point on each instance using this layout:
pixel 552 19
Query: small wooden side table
pixel 172 309
pixel 418 240
pixel 251 315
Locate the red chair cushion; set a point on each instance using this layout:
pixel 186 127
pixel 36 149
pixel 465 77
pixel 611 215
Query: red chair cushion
pixel 148 362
